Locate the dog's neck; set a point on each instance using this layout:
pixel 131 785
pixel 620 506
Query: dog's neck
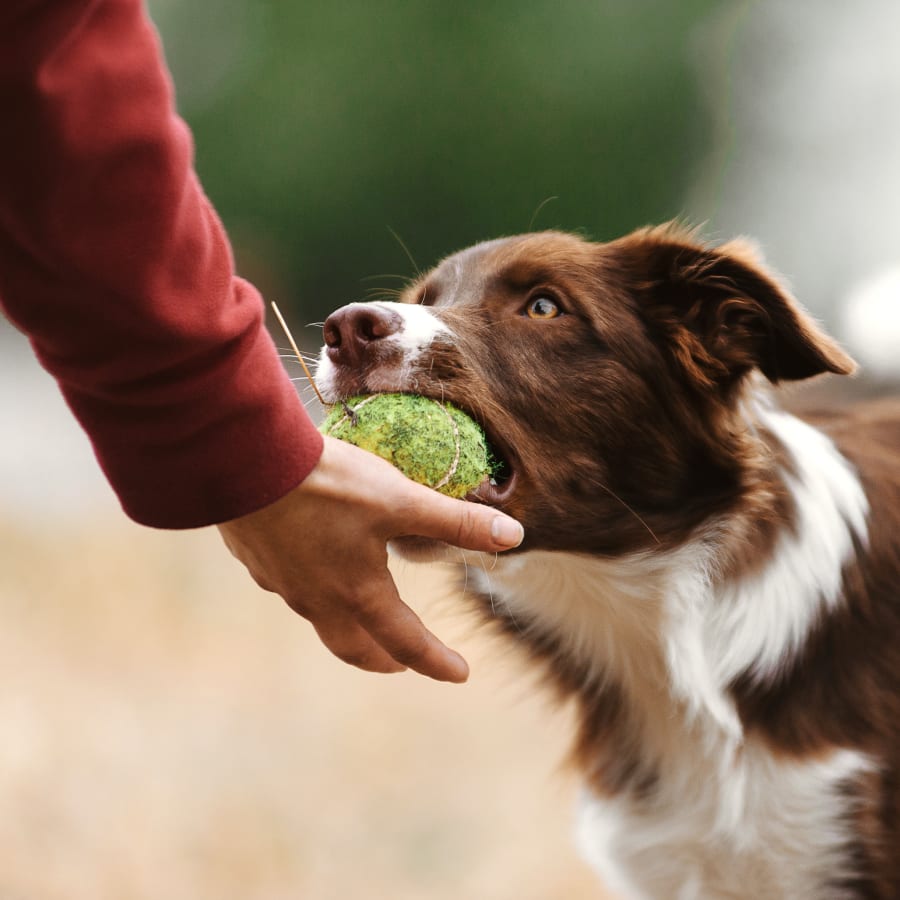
pixel 650 643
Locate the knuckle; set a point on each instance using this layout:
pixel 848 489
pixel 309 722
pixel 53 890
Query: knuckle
pixel 466 526
pixel 368 658
pixel 353 602
pixel 264 583
pixel 412 650
pixel 353 656
pixel 298 603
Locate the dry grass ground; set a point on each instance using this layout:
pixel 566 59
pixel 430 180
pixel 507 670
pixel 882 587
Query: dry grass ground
pixel 168 730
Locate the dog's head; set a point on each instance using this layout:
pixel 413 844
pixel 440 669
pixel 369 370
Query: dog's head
pixel 608 377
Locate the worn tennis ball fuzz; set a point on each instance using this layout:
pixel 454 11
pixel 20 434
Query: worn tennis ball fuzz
pixel 429 441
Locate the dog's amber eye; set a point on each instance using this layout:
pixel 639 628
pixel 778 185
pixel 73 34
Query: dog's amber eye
pixel 542 308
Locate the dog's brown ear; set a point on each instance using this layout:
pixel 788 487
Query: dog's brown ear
pixel 721 312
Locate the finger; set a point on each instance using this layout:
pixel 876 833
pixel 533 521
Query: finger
pixel 352 644
pixel 471 526
pixel 404 636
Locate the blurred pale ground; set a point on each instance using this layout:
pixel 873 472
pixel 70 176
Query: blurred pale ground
pixel 169 730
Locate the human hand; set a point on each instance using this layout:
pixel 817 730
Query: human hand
pixel 322 547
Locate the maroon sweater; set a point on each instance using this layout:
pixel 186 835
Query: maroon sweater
pixel 115 265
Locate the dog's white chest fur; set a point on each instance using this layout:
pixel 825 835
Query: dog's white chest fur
pixel 757 828
pixel 725 817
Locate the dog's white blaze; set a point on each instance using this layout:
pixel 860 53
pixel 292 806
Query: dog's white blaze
pixel 419 330
pixel 420 326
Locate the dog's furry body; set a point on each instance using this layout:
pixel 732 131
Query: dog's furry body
pixel 714 580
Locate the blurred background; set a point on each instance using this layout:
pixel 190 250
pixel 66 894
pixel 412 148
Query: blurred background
pixel 166 729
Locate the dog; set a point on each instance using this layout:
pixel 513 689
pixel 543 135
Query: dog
pixel 712 578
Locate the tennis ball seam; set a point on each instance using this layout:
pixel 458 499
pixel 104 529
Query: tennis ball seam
pixel 455 464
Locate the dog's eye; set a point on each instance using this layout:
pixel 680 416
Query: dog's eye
pixel 542 308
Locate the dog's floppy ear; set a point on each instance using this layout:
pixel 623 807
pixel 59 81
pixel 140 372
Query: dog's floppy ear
pixel 721 312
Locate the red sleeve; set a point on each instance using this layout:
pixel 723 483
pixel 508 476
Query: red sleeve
pixel 116 266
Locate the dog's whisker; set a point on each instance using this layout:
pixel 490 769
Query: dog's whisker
pixel 314 357
pixel 618 499
pixel 385 275
pixel 490 587
pixel 406 250
pixel 507 612
pixel 387 291
pixel 465 564
pixel 537 211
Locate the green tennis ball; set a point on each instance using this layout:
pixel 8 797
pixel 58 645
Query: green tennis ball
pixel 429 441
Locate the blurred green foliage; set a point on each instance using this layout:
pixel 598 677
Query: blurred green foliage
pixel 320 127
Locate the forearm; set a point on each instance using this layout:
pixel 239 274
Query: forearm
pixel 115 265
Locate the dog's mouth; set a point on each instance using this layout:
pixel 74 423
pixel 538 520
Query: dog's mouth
pixel 498 486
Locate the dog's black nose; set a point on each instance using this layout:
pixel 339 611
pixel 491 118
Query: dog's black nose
pixel 350 331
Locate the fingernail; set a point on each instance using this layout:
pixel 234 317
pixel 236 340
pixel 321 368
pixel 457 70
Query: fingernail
pixel 507 532
pixel 460 672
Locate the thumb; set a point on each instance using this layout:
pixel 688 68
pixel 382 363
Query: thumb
pixel 471 526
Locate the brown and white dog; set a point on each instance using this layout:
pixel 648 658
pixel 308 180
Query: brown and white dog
pixel 715 581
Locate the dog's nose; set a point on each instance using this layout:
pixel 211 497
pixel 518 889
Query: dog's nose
pixel 351 331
